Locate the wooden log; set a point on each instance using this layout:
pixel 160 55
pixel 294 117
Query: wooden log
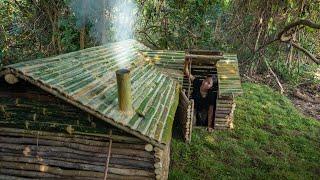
pixel 205 59
pixel 11 79
pixel 191 121
pixel 86 147
pixel 223 116
pixel 49 169
pixel 158 171
pixel 166 163
pixel 8 177
pixel 73 158
pixel 63 151
pixel 76 166
pixel 158 177
pixel 29 174
pixel 158 165
pixel 37 171
pixel 205 52
pixel 70 139
pixel 148 147
pixel 137 164
pixel 81 135
pixel 124 91
pixel 218 111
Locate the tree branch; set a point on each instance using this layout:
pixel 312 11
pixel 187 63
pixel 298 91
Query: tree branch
pixel 286 35
pixel 306 52
pixel 304 22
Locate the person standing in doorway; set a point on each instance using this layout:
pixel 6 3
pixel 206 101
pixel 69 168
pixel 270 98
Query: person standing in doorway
pixel 204 97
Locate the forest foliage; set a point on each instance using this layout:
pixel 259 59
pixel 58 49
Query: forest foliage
pixel 32 29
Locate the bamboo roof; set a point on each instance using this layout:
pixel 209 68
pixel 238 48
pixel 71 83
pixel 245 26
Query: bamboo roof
pixel 172 62
pixel 169 62
pixel 87 80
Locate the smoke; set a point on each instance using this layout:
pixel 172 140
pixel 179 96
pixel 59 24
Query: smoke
pixel 108 20
pixel 125 16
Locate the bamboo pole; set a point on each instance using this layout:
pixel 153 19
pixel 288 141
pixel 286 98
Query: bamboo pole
pixel 124 91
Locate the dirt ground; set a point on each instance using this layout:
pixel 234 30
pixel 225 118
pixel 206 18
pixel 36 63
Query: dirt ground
pixel 307 108
pixel 311 109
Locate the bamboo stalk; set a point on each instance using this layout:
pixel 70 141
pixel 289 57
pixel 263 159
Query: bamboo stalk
pixel 124 90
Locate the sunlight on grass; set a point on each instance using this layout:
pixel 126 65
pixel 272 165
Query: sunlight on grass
pixel 271 140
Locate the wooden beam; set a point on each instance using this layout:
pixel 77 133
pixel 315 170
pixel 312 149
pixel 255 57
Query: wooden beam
pixel 205 52
pixel 203 59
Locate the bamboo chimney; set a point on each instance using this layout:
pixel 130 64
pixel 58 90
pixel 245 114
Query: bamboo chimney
pixel 124 90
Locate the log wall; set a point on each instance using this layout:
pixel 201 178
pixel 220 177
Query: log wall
pixel 185 114
pixel 44 137
pixel 25 106
pixel 224 113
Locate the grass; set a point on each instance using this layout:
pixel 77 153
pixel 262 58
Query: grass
pixel 271 140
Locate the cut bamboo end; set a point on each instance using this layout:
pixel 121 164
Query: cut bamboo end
pixel 124 91
pixel 11 79
pixel 148 147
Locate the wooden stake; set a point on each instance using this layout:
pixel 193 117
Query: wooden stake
pixel 108 157
pixel 124 90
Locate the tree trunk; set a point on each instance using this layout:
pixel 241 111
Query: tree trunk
pixel 82 37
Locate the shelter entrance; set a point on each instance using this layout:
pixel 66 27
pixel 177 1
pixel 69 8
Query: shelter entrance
pixel 203 64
